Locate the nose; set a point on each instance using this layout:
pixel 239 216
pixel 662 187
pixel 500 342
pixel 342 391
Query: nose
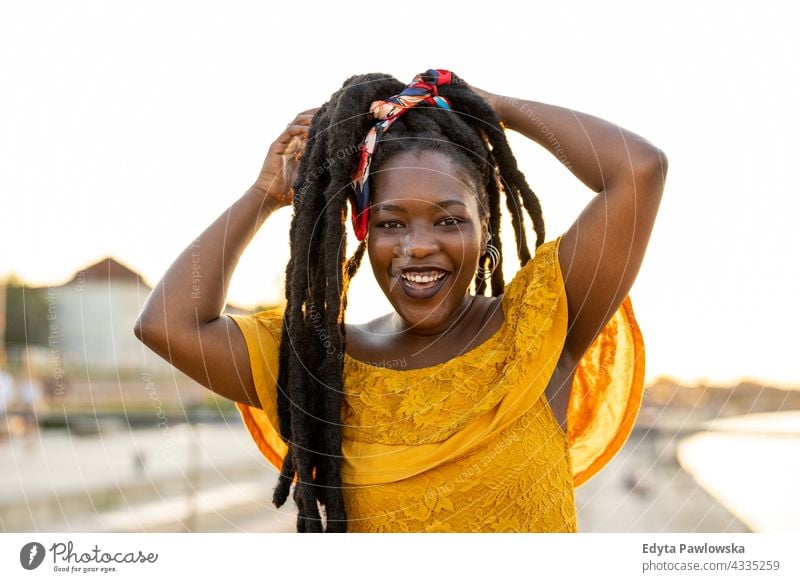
pixel 418 243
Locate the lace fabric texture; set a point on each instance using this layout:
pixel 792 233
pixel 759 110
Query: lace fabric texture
pixel 471 445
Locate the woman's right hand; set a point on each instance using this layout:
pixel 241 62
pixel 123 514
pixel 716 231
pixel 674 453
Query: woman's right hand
pixel 279 171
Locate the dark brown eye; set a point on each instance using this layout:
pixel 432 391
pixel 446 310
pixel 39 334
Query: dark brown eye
pixel 389 224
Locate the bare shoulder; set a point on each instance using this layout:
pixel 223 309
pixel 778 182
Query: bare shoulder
pixel 364 339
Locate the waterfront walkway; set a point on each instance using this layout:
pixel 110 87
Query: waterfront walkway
pixel 211 477
pixel 176 478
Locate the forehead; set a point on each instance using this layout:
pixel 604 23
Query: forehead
pixel 422 177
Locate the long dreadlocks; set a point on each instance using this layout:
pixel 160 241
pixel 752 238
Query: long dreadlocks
pixel 310 382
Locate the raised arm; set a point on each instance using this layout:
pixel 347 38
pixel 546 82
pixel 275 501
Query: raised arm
pixel 600 254
pixel 181 319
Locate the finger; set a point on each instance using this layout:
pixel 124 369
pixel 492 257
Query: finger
pixel 295 144
pixel 291 132
pixel 295 128
pixel 296 148
pixel 305 116
pixel 302 120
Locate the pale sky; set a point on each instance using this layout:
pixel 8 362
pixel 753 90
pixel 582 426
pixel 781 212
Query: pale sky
pixel 126 128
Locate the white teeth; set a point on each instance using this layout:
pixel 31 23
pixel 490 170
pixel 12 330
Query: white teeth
pixel 423 277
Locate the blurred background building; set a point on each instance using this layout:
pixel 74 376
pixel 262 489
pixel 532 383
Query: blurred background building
pixel 75 341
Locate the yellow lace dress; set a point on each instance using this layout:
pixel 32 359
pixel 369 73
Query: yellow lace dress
pixel 471 445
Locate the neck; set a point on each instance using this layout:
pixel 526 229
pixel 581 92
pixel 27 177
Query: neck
pixel 447 327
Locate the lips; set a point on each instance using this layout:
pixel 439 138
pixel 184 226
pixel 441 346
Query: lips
pixel 422 283
pixel 423 277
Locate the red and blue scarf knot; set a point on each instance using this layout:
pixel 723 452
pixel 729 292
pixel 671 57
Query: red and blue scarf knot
pixel 423 89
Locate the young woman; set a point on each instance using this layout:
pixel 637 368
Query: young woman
pixel 458 411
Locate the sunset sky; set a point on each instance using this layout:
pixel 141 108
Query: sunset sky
pixel 127 129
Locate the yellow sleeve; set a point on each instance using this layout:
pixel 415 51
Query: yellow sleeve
pixel 262 332
pixel 606 394
pixel 609 380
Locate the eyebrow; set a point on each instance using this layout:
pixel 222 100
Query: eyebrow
pixel 441 204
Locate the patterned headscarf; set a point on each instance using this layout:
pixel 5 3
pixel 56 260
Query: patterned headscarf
pixel 423 89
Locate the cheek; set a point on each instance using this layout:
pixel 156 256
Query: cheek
pixel 467 243
pixel 381 252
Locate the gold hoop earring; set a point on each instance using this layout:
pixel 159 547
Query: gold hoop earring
pixel 494 257
pixel 494 260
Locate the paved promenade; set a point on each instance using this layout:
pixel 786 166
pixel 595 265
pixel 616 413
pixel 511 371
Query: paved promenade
pixel 211 477
pixel 177 479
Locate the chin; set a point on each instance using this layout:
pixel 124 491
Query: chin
pixel 424 318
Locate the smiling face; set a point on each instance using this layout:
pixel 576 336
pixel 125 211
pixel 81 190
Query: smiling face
pixel 425 236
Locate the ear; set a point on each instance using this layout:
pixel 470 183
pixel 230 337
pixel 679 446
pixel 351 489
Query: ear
pixel 484 235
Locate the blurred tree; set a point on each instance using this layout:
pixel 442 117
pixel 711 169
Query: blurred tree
pixel 26 315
